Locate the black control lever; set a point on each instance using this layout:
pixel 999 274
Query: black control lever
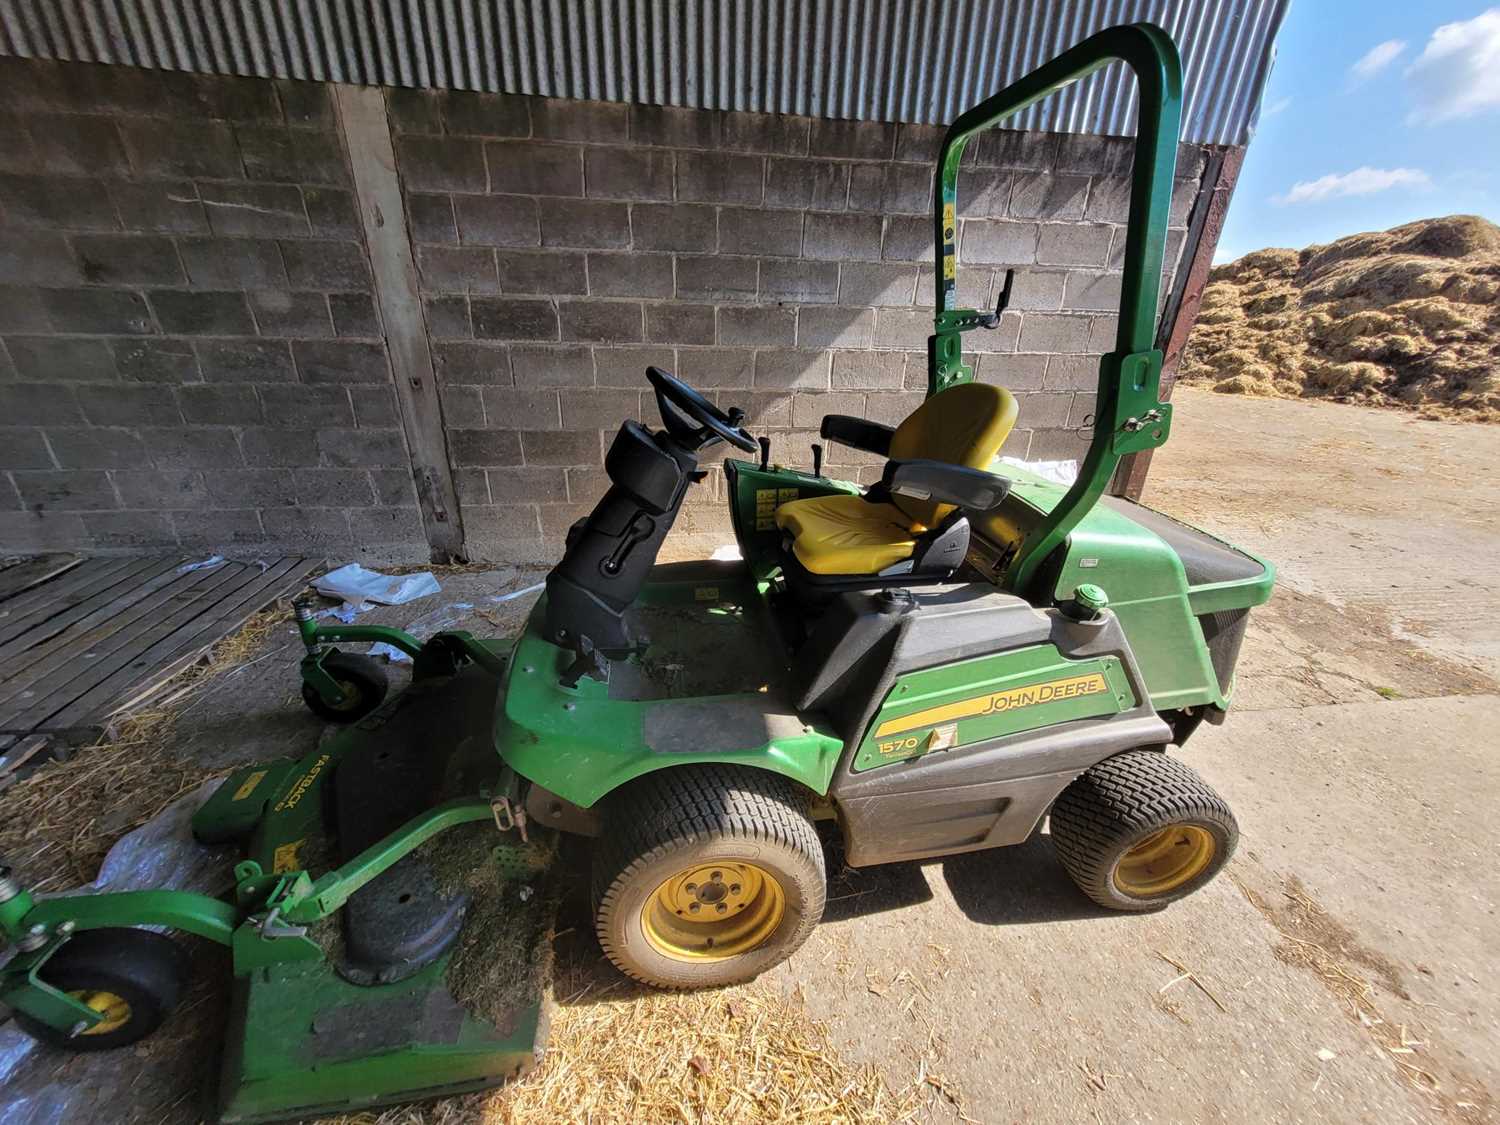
pixel 641 529
pixel 817 459
pixel 765 453
pixel 992 320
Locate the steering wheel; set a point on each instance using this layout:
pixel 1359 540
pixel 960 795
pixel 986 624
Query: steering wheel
pixel 712 422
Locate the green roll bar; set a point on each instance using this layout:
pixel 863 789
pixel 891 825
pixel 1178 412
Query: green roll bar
pixel 1128 416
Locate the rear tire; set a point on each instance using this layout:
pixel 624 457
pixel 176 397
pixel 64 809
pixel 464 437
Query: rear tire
pixel 1141 830
pixel 364 682
pixel 707 876
pixel 133 977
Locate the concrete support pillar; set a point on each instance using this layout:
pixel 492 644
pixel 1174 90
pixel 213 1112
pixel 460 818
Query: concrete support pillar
pixel 366 133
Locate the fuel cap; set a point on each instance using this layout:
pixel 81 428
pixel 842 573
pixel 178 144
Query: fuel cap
pixel 1088 603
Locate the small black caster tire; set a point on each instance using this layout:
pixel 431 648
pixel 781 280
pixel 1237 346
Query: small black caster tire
pixel 134 977
pixel 364 682
pixel 1141 830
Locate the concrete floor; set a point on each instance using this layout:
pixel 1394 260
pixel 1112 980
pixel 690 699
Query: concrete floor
pixel 1358 916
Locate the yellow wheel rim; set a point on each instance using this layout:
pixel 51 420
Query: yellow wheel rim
pixel 350 699
pixel 1165 860
pixel 115 1010
pixel 713 911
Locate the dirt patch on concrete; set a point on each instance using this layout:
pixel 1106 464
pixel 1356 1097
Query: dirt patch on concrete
pixel 1303 650
pixel 1406 317
pixel 1391 521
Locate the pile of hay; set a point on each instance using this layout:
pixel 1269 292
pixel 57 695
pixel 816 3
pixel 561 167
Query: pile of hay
pixel 1406 317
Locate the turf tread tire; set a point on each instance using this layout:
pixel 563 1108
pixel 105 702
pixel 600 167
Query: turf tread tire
pixel 675 809
pixel 1119 801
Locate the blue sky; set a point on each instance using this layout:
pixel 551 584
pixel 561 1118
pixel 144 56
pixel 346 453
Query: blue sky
pixel 1376 113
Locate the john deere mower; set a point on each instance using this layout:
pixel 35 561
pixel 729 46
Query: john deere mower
pixel 930 665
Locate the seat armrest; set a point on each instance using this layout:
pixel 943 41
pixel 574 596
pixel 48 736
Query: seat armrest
pixel 972 489
pixel 858 433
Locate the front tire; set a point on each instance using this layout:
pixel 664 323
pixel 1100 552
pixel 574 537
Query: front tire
pixel 707 876
pixel 1141 830
pixel 133 978
pixel 364 682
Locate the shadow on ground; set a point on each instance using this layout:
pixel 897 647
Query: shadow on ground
pixel 1023 884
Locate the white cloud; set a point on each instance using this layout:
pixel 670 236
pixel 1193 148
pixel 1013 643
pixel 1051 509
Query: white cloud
pixel 1376 59
pixel 1361 181
pixel 1458 72
pixel 1280 105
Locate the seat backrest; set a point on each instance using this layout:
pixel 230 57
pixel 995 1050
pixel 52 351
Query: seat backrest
pixel 964 425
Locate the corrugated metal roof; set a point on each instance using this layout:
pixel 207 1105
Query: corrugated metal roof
pixel 885 60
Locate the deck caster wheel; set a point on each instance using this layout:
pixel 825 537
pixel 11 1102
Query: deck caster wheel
pixel 133 978
pixel 1141 830
pixel 707 876
pixel 363 680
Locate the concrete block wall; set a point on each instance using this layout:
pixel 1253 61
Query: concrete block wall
pixel 190 357
pixel 781 264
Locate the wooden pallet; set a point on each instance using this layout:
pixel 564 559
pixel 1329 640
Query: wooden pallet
pixel 90 637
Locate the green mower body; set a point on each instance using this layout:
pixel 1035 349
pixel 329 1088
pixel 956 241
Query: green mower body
pixel 728 677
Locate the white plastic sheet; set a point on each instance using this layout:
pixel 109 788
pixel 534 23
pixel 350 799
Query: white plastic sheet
pixel 204 564
pixel 444 617
pixel 360 587
pixel 514 594
pixel 1058 472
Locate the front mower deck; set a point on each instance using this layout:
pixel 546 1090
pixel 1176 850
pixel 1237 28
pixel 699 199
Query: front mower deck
pixel 432 979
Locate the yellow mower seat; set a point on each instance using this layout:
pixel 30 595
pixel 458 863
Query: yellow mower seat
pixel 964 425
pixel 846 534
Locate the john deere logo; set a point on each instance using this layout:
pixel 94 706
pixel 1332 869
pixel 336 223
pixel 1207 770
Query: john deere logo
pixel 1044 693
pixel 1032 695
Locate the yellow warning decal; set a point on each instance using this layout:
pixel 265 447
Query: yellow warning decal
pixel 948 223
pixel 950 267
pixel 706 593
pixel 767 500
pixel 284 858
pixel 248 785
pixel 1030 696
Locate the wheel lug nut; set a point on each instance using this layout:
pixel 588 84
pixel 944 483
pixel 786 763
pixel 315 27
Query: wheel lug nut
pixel 721 908
pixel 734 888
pixel 717 876
pixel 697 906
pixel 690 888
